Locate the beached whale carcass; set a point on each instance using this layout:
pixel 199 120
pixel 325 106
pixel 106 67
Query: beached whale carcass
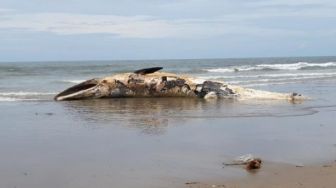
pixel 150 82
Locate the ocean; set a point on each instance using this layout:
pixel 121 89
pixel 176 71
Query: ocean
pixel 160 142
pixel 27 81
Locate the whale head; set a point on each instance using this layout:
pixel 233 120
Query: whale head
pixel 85 90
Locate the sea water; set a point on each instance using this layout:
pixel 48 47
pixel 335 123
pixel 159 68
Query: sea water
pixel 42 80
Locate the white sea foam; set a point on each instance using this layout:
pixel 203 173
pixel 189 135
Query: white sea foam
pixel 273 81
pixel 7 99
pixel 25 96
pixel 260 67
pixel 267 84
pixel 73 81
pixel 312 74
pixel 254 80
pixel 296 66
pixel 23 93
pixel 13 99
pixel 221 70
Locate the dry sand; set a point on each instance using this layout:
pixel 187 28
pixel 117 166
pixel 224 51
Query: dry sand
pixel 273 175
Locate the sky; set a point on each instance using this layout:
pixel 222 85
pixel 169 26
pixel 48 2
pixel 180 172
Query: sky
pixel 41 30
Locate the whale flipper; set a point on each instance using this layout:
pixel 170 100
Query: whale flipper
pixel 148 70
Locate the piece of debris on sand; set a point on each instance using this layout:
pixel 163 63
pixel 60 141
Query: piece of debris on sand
pixel 248 160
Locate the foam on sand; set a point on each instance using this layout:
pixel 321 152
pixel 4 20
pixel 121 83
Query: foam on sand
pixel 24 96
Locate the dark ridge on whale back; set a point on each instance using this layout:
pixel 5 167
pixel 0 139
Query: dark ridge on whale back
pixel 82 86
pixel 148 70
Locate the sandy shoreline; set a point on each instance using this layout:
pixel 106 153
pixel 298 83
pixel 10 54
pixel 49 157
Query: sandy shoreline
pixel 165 143
pixel 273 175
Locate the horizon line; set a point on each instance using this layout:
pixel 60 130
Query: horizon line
pixel 163 59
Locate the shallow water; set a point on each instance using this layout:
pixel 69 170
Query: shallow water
pixel 42 80
pixel 154 142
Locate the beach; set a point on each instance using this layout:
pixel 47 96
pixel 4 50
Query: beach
pixel 168 142
pixel 279 175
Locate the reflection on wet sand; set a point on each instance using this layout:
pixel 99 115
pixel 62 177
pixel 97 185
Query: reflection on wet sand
pixel 152 115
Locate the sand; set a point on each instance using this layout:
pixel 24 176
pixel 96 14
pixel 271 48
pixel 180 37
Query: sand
pixel 273 175
pixel 164 143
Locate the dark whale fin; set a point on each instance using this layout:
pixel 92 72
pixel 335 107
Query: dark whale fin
pixel 148 70
pixel 76 88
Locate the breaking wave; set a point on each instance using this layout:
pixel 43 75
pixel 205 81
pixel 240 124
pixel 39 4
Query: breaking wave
pixel 265 67
pixel 7 99
pixel 25 96
pixel 22 93
pixel 270 79
pixel 280 75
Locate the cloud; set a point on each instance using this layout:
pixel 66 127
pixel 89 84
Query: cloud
pixel 124 26
pixel 300 3
pixel 69 24
pixel 139 26
pixel 4 10
pixel 170 29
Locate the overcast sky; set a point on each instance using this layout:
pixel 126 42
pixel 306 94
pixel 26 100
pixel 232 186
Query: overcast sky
pixel 161 29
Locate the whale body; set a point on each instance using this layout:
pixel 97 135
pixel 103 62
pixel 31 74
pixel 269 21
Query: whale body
pixel 150 82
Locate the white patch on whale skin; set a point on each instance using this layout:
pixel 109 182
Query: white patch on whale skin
pixel 197 80
pixel 169 78
pixel 115 92
pixel 247 93
pixel 211 95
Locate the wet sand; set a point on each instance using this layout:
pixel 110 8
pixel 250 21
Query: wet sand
pixel 273 175
pixel 163 143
